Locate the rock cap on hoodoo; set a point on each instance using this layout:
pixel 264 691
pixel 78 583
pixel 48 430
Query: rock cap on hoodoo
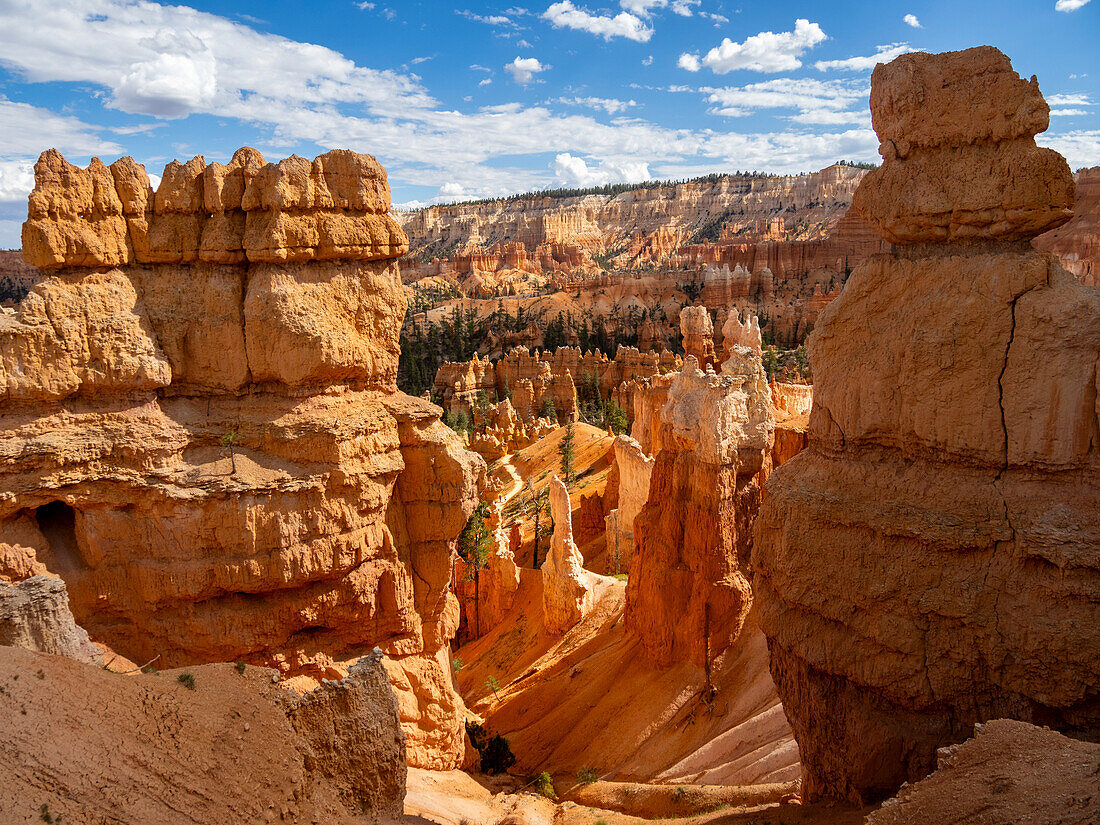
pixel 959 156
pixel 335 207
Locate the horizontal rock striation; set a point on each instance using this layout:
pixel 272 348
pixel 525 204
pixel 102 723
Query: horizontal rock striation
pixel 930 560
pixel 202 434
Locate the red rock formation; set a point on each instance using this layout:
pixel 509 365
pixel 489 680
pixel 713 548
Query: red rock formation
pixel 531 378
pixel 219 745
pixel 929 561
pixel 688 595
pixel 1077 242
pixel 1009 773
pixel 207 443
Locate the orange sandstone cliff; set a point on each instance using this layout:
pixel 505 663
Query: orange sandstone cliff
pixel 931 559
pixel 202 433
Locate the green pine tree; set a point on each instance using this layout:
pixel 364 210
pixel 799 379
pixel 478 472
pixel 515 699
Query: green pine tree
pixel 567 452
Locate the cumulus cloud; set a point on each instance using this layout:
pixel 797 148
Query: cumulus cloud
pixel 524 69
pixel 574 171
pixel 644 8
pixel 829 102
pixel 911 20
pixel 1069 5
pixel 608 104
pixel 303 97
pixel 25 130
pixel 763 52
pixel 1069 100
pixel 1079 148
pixel 488 19
pixel 864 64
pixel 624 24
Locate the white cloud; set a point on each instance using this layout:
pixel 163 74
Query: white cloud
pixel 26 130
pixel 864 64
pixel 485 82
pixel 179 77
pixel 829 102
pixel 763 52
pixel 298 96
pixel 647 61
pixel 574 172
pixel 1079 148
pixel 608 104
pixel 644 8
pixel 1069 5
pixel 1069 100
pixel 911 20
pixel 490 19
pixel 524 69
pixel 566 15
pixel 1068 112
pixel 365 6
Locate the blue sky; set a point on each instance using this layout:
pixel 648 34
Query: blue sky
pixel 460 101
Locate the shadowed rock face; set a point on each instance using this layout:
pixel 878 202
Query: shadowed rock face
pixel 930 560
pixel 203 434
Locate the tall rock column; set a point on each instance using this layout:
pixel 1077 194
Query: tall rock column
pixel 568 590
pixel 933 558
pixel 697 330
pixel 688 591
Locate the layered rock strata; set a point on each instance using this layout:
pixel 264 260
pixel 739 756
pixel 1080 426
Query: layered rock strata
pixel 930 560
pixel 688 594
pixel 203 435
pixel 35 615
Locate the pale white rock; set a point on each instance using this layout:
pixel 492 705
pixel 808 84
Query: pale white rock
pixel 635 469
pixel 568 590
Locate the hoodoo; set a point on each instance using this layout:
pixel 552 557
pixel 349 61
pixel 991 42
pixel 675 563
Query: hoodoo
pixel 203 435
pixel 931 560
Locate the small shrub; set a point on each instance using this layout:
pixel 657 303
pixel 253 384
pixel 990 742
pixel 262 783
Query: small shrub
pixel 457 664
pixel 586 776
pixel 240 668
pixel 150 669
pixel 496 753
pixel 187 680
pixel 41 674
pixel 492 684
pixel 678 793
pixel 543 785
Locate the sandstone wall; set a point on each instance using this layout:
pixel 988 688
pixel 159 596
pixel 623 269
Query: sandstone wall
pixel 204 436
pixel 930 560
pixel 83 744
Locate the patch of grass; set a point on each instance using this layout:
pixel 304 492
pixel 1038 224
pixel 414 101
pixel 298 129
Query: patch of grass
pixel 150 669
pixel 621 576
pixel 187 680
pixel 586 776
